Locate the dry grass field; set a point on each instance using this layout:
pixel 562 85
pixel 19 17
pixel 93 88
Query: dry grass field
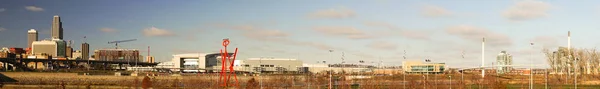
pixel 37 80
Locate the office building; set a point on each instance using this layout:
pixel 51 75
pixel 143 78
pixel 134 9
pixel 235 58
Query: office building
pixel 76 55
pixel 44 47
pixel 196 62
pixel 85 51
pixel 504 61
pixel 150 59
pixel 57 30
pixel 418 67
pixel 123 55
pixel 61 48
pixel 32 36
pixel 266 65
pixel 69 51
pixel 55 48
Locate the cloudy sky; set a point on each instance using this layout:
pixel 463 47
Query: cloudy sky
pixel 375 31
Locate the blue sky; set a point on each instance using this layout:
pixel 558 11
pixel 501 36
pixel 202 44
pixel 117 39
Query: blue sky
pixel 374 31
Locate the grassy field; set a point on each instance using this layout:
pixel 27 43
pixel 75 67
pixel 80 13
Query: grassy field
pixel 210 81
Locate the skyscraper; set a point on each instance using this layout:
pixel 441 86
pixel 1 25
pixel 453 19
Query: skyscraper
pixel 85 51
pixel 32 36
pixel 57 30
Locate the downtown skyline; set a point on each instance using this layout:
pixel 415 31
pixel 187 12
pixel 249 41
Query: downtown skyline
pixel 363 30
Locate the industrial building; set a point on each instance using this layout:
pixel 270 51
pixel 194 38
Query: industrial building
pixel 504 61
pixel 418 67
pixel 122 55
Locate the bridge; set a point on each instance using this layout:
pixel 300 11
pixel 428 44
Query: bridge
pixel 22 63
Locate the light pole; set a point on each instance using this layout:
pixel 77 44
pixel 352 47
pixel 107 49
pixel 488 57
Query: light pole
pixel 424 80
pixel 330 72
pixel 530 68
pixel 576 72
pixel 546 72
pixel 261 70
pixel 450 81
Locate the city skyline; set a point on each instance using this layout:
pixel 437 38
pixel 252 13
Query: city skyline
pixel 363 30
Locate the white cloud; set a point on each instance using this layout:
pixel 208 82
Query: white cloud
pixel 475 34
pixel 348 32
pixel 382 45
pixel 108 30
pixel 34 8
pixel 333 13
pixel 2 9
pixel 435 11
pixel 153 31
pixel 526 10
pixel 2 29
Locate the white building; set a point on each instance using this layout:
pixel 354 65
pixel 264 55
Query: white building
pixel 268 65
pixel 197 62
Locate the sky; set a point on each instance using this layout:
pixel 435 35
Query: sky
pixel 380 32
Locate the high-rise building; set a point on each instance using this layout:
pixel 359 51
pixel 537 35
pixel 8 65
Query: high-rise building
pixel 85 51
pixel 57 30
pixel 504 61
pixel 32 36
pixel 61 48
pixel 69 50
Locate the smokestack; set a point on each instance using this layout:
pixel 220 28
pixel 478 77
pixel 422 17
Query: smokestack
pixel 483 57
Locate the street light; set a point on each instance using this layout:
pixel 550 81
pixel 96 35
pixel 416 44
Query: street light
pixel 530 69
pixel 450 81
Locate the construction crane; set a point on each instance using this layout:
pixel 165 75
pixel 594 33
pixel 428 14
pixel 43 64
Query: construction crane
pixel 117 42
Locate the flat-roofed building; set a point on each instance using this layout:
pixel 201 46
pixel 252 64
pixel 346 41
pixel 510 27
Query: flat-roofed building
pixel 45 47
pixel 123 55
pixel 269 64
pixel 197 62
pixel 418 67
